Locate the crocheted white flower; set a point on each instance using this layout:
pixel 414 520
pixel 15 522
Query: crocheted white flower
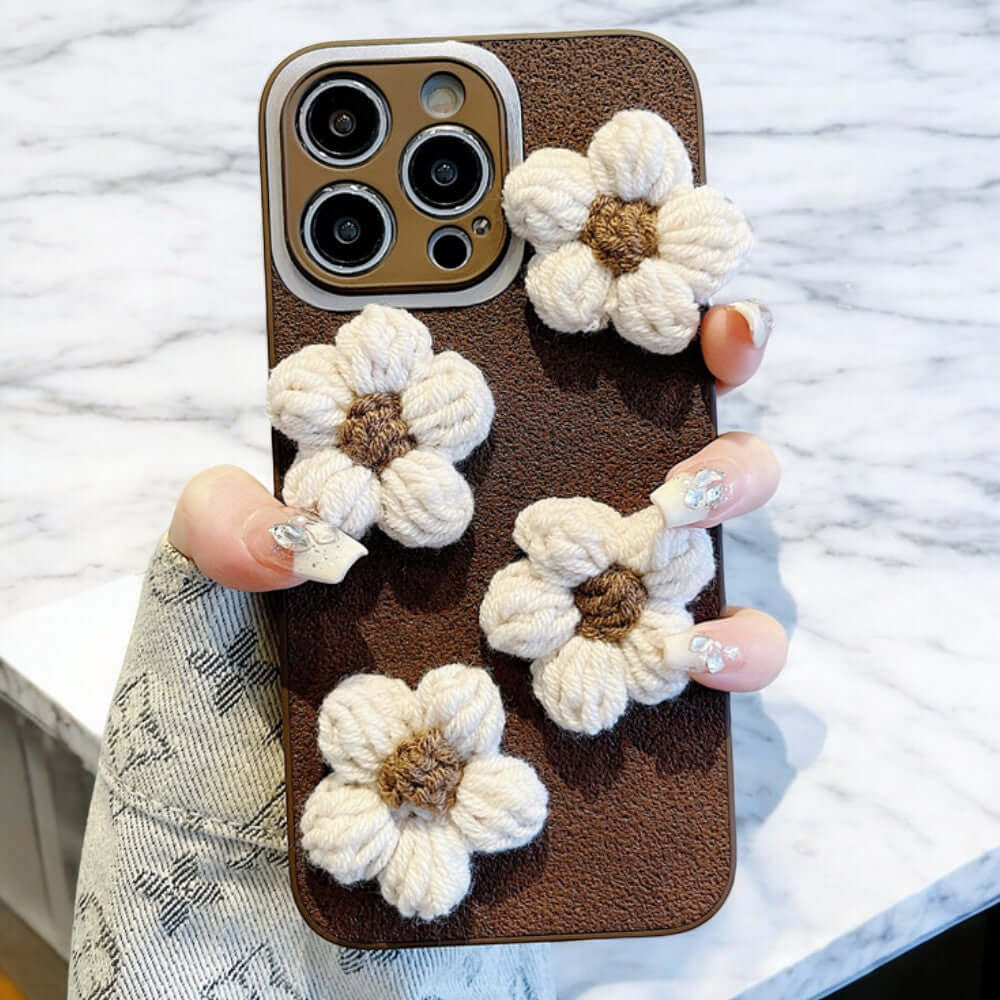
pixel 593 605
pixel 418 785
pixel 379 420
pixel 622 236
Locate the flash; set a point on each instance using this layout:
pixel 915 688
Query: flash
pixel 442 95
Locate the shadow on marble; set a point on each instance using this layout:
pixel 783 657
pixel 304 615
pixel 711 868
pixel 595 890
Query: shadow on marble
pixel 762 769
pixel 751 549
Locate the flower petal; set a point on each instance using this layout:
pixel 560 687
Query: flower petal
pixel 381 348
pixel 500 803
pixel 348 831
pixel 639 539
pixel 547 198
pixel 429 874
pixel 569 289
pixel 525 614
pixel 362 720
pixel 704 237
pixel 425 501
pixel 568 539
pixel 645 544
pixel 675 563
pixel 648 676
pixel 582 686
pixel 680 567
pixel 345 495
pixel 448 406
pixel 307 399
pixel 654 307
pixel 464 703
pixel 638 156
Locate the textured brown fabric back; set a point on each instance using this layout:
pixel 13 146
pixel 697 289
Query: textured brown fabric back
pixel 639 837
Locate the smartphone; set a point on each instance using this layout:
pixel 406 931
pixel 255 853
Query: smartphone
pixel 639 838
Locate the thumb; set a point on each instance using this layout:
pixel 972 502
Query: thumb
pixel 235 532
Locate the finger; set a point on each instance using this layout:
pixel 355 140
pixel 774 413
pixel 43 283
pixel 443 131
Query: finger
pixel 734 474
pixel 733 338
pixel 744 651
pixel 239 535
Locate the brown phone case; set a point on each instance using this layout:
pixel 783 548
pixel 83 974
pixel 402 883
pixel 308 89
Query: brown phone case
pixel 639 838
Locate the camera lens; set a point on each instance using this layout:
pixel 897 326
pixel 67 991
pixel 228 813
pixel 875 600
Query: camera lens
pixel 343 120
pixel 444 172
pixel 446 169
pixel 449 248
pixel 348 228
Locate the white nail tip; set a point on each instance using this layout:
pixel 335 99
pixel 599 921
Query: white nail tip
pixel 759 318
pixel 319 552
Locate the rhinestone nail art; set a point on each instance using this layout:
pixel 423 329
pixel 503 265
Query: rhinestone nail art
pixel 321 552
pixel 712 653
pixel 689 497
pixel 291 536
pixel 707 490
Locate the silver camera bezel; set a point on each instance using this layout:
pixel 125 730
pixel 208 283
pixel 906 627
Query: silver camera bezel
pixel 366 88
pixel 362 191
pixel 474 142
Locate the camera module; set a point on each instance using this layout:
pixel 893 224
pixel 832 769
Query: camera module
pixel 348 228
pixel 343 120
pixel 446 169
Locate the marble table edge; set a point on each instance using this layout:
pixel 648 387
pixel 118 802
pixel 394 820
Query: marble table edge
pixel 51 718
pixel 945 902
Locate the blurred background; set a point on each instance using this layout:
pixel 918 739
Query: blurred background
pixel 861 140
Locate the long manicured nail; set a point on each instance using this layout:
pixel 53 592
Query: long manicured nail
pixel 692 495
pixel 302 544
pixel 698 653
pixel 759 318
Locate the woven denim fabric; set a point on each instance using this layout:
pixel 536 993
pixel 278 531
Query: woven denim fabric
pixel 184 889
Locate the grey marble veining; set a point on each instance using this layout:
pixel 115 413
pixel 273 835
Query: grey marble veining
pixel 862 140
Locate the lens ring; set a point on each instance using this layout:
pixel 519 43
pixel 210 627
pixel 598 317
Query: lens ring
pixel 364 89
pixel 448 234
pixel 373 198
pixel 474 144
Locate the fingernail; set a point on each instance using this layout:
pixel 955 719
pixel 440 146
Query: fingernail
pixel 303 545
pixel 698 653
pixel 692 495
pixel 759 318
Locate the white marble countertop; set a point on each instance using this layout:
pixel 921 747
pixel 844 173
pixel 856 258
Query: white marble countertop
pixel 858 138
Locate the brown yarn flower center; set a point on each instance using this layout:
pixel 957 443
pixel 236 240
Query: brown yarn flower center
pixel 610 604
pixel 375 432
pixel 621 234
pixel 423 771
